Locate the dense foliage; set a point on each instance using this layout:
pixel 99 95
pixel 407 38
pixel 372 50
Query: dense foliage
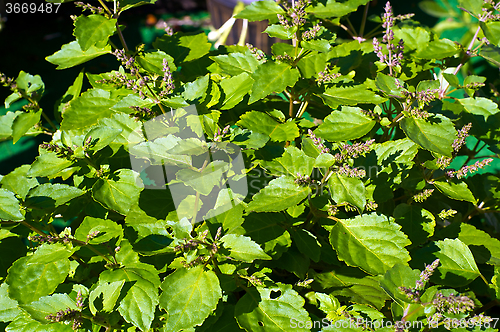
pixel 330 183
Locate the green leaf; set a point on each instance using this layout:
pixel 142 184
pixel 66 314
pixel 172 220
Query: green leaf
pixel 388 84
pixel 235 89
pixel 435 133
pixel 294 162
pixel 266 230
pixel 71 93
pixel 236 63
pixel 265 124
pixel 49 305
pixel 260 10
pixel 101 136
pixel 333 8
pixel 438 49
pixel 457 265
pixel 110 292
pixel 347 190
pixel 93 29
pixel 203 182
pixel 399 276
pixel 87 109
pixel 106 228
pixel 242 248
pixel 184 47
pixel 139 304
pixel 350 96
pixel 272 77
pixel 119 191
pixel 6 122
pixel 455 190
pixel 72 55
pixel 196 89
pixel 433 9
pixel 479 106
pixel 492 31
pixel 371 242
pixel 29 280
pixel 127 4
pixel 279 31
pixel 8 307
pixel 310 65
pixel 49 195
pixel 13 97
pixel 477 240
pixel 415 38
pixel 29 83
pixel 153 62
pixel 278 195
pixel 271 309
pixel 51 252
pixel 24 122
pixel 345 125
pixel 48 164
pixel 185 297
pixel 307 243
pixel 9 206
pixel 24 323
pixel 491 53
pixel 151 234
pixel 473 6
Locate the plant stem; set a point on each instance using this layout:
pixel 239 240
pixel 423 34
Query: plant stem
pixel 363 22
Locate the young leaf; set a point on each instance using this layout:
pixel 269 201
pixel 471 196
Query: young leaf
pixel 265 124
pixel 185 297
pixel 93 29
pixel 371 242
pixel 345 125
pixel 242 248
pixel 24 122
pixel 272 77
pixel 278 195
pixel 347 190
pixel 184 47
pixel 71 55
pixel 235 89
pixel 48 164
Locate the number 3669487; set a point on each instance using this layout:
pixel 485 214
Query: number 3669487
pixel 31 8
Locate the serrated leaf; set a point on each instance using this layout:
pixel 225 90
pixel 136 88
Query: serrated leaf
pixel 119 191
pixel 48 164
pixel 184 47
pixel 457 265
pixel 347 190
pixel 8 306
pixel 235 89
pixel 110 292
pixel 87 109
pixel 492 31
pixel 438 49
pixel 24 122
pixel 24 323
pixel 271 309
pixel 348 124
pixel 294 162
pixel 307 243
pixel 455 190
pixel 350 96
pixel 266 230
pixel 242 248
pixel 6 122
pixel 196 89
pixel 417 222
pixel 279 31
pixel 309 66
pixel 473 6
pixel 93 29
pixel 9 206
pixel 265 124
pixel 479 106
pixel 372 242
pixel 153 62
pixel 236 63
pixel 185 297
pixel 107 229
pixel 435 133
pixel 278 195
pixel 399 276
pixel 49 195
pixel 203 182
pixel 478 239
pixel 272 77
pixel 29 280
pixel 139 304
pixel 72 55
pixel 260 10
pixel 51 252
pixel 333 8
pixel 48 305
pixel 101 136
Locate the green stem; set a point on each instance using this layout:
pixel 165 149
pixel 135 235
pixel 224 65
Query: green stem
pixel 105 7
pixel 363 22
pixel 302 108
pixel 49 121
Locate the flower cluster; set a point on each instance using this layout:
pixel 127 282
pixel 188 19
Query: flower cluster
pixel 256 52
pixel 371 206
pixel 462 135
pixel 351 172
pixel 419 113
pixel 414 293
pixel 452 304
pixel 332 210
pixel 443 162
pixel 317 142
pixel 64 151
pixel 67 315
pixel 462 172
pixel 7 81
pixel 393 59
pixel 445 214
pixel 420 197
pixel 303 180
pixel 220 134
pixel 167 81
pixel 284 58
pixel 79 300
pixel 50 238
pixel 353 150
pixel 92 235
pixel 142 113
pixel 86 6
pixel 489 13
pixel 312 32
pixel 326 76
pixel 296 13
pixel 371 114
